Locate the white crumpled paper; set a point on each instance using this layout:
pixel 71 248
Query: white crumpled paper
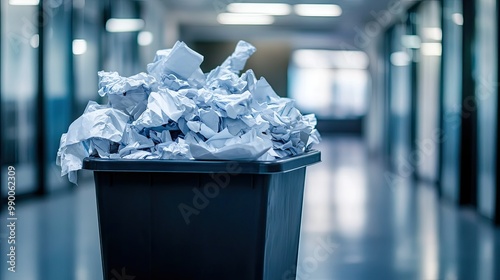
pixel 174 111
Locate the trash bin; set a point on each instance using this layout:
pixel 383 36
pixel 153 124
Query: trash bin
pixel 181 219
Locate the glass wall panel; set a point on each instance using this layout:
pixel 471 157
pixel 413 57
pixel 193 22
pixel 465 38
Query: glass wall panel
pixel 158 26
pixel 88 31
pixel 120 49
pixel 58 84
pixel 19 56
pixel 486 51
pixel 451 99
pixel 400 99
pixel 428 58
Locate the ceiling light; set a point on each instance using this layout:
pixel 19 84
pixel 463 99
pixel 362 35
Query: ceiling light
pixel 330 59
pixel 277 9
pixel 79 46
pixel 458 18
pixel 318 10
pixel 410 41
pixel 35 41
pixel 400 59
pixel 24 2
pixel 124 24
pixel 245 19
pixel 433 33
pixel 144 38
pixel 431 49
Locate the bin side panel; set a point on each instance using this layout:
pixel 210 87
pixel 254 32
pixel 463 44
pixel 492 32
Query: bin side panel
pixel 232 226
pixel 206 226
pixel 124 219
pixel 284 213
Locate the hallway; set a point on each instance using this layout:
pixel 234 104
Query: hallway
pixel 364 228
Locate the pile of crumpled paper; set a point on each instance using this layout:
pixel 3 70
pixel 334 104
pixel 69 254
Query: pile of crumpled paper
pixel 174 111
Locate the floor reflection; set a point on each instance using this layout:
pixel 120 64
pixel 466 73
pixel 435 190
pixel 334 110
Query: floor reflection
pixel 57 237
pixel 384 229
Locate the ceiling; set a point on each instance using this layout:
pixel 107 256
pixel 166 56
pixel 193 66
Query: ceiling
pixel 197 21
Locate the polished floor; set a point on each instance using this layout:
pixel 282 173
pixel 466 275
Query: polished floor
pixel 355 226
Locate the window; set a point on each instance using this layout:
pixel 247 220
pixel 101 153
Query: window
pixel 331 84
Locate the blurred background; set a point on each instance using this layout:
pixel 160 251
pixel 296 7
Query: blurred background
pixel 405 92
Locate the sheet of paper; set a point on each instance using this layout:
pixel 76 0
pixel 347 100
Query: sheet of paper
pixel 127 94
pixel 97 124
pixel 181 62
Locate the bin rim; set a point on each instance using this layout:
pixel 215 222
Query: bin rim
pixel 202 166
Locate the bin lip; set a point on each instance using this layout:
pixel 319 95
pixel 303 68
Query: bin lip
pixel 202 166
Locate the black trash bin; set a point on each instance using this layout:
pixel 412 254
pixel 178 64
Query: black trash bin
pixel 181 219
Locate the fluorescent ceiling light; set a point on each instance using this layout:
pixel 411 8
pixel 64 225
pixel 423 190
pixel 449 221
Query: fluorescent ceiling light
pixel 245 19
pixel 79 46
pixel 433 33
pixel 458 18
pixel 400 59
pixel 410 41
pixel 318 10
pixel 330 59
pixel 144 38
pixel 35 41
pixel 431 49
pixel 277 9
pixel 124 24
pixel 24 2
